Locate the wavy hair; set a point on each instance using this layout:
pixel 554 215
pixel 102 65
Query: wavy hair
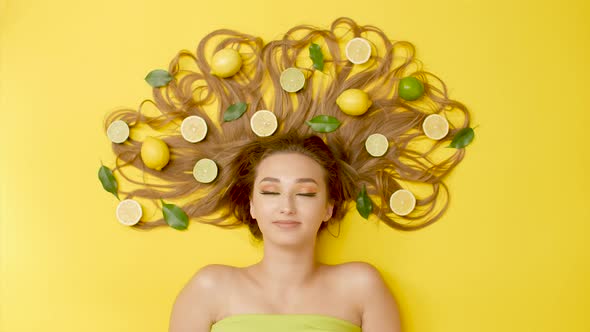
pixel 411 159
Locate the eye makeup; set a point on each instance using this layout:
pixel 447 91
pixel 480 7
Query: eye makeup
pixel 271 190
pixel 269 193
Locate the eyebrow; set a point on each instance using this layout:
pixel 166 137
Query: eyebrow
pixel 300 180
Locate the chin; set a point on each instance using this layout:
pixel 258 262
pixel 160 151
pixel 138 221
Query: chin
pixel 285 239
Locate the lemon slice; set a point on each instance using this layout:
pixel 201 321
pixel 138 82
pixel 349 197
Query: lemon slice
pixel 435 126
pixel 193 129
pixel 118 131
pixel 205 170
pixel 376 145
pixel 358 50
pixel 128 212
pixel 263 123
pixel 292 79
pixel 402 202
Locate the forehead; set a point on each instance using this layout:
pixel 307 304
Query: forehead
pixel 289 165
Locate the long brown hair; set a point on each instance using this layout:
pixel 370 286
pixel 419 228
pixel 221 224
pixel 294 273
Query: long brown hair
pixel 411 158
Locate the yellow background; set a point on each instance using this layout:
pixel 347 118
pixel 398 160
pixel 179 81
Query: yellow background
pixel 511 253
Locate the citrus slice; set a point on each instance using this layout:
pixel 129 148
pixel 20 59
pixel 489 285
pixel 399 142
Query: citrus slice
pixel 435 126
pixel 205 170
pixel 193 129
pixel 128 212
pixel 118 131
pixel 358 50
pixel 263 123
pixel 292 79
pixel 226 62
pixel 402 202
pixel 376 145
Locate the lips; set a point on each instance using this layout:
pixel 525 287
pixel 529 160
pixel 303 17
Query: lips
pixel 286 223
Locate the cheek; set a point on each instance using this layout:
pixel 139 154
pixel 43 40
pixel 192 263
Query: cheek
pixel 316 209
pixel 259 209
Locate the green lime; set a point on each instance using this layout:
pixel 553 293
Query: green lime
pixel 410 88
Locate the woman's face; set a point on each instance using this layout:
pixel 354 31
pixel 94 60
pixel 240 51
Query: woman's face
pixel 290 199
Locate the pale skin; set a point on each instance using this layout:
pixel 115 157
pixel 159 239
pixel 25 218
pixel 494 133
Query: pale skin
pixel 288 279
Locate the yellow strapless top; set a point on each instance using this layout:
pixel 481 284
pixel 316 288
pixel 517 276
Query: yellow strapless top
pixel 283 323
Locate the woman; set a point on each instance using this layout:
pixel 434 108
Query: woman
pixel 289 186
pixel 295 187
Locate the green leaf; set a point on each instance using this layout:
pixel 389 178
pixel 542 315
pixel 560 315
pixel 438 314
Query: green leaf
pixel 363 203
pixel 174 216
pixel 158 78
pixel 315 53
pixel 324 123
pixel 235 111
pixel 109 183
pixel 462 138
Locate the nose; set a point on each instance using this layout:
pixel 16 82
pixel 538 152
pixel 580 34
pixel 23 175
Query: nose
pixel 287 205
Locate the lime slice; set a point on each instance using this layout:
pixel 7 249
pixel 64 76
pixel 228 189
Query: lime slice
pixel 193 129
pixel 358 50
pixel 263 123
pixel 118 131
pixel 292 79
pixel 376 145
pixel 128 212
pixel 205 170
pixel 435 126
pixel 402 202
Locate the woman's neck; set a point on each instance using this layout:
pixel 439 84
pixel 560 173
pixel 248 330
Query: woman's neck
pixel 285 269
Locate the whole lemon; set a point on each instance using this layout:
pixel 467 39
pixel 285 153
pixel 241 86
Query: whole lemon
pixel 226 62
pixel 354 101
pixel 155 153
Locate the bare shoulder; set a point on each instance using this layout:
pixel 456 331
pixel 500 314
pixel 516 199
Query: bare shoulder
pixel 195 308
pixel 212 276
pixel 379 308
pixel 360 273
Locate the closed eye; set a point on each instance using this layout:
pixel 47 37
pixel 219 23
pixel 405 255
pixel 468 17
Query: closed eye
pixel 276 193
